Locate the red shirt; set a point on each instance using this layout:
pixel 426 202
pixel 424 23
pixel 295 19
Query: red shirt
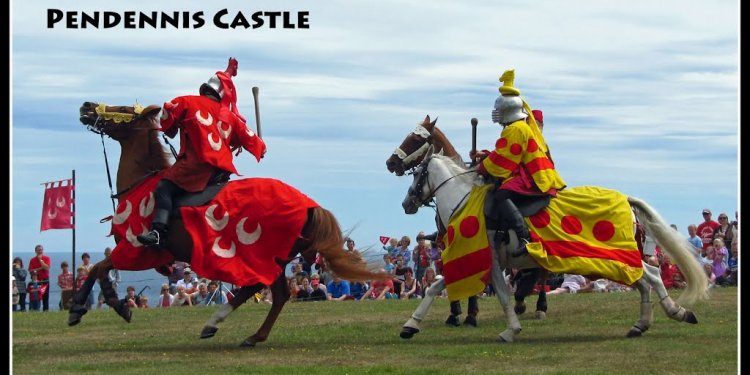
pixel 705 231
pixel 42 274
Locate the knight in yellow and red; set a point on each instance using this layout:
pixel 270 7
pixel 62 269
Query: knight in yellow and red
pixel 210 128
pixel 521 160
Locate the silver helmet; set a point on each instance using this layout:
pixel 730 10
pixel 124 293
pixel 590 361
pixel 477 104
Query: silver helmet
pixel 508 108
pixel 212 87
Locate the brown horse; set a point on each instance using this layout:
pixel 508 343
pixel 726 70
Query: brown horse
pixel 136 130
pixel 409 154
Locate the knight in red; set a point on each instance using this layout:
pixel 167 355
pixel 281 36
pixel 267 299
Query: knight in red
pixel 521 160
pixel 210 128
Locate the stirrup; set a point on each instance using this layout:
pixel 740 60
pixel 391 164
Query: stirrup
pixel 521 250
pixel 151 238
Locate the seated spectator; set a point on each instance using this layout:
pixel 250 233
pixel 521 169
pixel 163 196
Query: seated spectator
pixel 730 275
pixel 188 281
pixel 130 298
pixel 314 277
pixel 338 289
pixel 299 273
pixel 409 288
pixel 216 295
pixel 165 299
pixel 305 290
pixel 380 290
pixel 143 304
pixel 709 269
pixel 389 266
pixel 358 289
pixel 293 289
pixel 317 294
pixel 200 297
pixel 181 298
pixel 719 260
pixel 573 284
pixel 392 247
pixel 326 276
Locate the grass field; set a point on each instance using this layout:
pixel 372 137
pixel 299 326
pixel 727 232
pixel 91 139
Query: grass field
pixel 584 334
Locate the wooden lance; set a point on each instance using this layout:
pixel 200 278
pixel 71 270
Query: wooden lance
pixel 257 111
pixel 474 123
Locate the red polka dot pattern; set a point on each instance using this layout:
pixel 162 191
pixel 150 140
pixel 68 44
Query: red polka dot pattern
pixel 571 224
pixel 516 149
pixel 533 146
pixel 469 226
pixel 541 219
pixel 604 230
pixel 501 143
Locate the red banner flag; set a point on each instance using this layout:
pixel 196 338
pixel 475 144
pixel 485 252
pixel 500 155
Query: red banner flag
pixel 57 208
pixel 384 239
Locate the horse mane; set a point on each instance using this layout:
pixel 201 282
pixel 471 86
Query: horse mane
pixel 327 239
pixel 457 169
pixel 448 148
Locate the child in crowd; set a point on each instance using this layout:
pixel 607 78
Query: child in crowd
pixel 36 291
pixel 392 247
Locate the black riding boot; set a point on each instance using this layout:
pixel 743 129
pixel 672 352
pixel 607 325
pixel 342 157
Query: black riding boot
pixel 514 218
pixel 157 236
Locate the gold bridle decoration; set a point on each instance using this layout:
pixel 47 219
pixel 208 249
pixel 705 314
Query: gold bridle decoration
pixel 117 117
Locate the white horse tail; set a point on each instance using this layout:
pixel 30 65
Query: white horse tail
pixel 677 247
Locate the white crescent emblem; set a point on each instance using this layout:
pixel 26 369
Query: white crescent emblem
pixel 250 132
pixel 212 222
pixel 52 214
pixel 164 114
pixel 60 202
pixel 207 121
pixel 216 146
pixel 132 238
pixel 120 217
pixel 147 205
pixel 224 253
pixel 247 238
pixel 224 133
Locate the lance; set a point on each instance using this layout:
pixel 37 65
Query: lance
pixel 257 111
pixel 474 123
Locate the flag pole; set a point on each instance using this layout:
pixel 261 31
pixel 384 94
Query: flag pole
pixel 74 231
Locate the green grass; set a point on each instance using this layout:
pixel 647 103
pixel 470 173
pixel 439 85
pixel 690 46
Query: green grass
pixel 584 334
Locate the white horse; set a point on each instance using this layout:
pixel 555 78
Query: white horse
pixel 441 179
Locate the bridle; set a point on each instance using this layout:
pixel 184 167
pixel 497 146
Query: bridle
pixel 408 157
pixel 421 179
pixel 127 118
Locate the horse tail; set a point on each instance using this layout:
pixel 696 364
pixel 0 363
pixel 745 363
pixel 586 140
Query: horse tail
pixel 678 248
pixel 328 240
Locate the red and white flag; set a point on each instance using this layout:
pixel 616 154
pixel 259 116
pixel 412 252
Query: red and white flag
pixel 57 208
pixel 384 239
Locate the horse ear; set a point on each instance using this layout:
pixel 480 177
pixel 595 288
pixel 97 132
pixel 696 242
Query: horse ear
pixel 151 110
pixel 426 119
pixel 430 151
pixel 434 121
pixel 441 152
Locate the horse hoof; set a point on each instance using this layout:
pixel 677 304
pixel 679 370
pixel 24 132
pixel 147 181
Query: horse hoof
pixel 208 332
pixel 635 332
pixel 408 332
pixel 541 315
pixel 247 344
pixel 690 318
pixel 519 308
pixel 75 313
pixel 470 321
pixel 124 311
pixel 453 321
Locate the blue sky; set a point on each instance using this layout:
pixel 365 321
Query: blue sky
pixel 638 96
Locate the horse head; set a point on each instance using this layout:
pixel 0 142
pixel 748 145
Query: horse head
pixel 412 150
pixel 419 192
pixel 117 122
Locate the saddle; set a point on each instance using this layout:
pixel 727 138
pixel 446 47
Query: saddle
pixel 215 185
pixel 528 205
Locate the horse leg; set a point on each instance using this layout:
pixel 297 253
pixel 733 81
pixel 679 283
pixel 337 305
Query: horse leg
pixel 111 298
pixel 541 302
pixel 453 319
pixel 411 327
pixel 245 292
pixel 503 293
pixel 280 294
pixel 473 310
pixel 647 310
pixel 670 307
pixel 524 288
pixel 78 308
